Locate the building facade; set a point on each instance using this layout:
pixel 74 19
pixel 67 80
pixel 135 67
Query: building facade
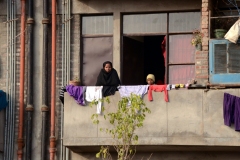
pixel 139 37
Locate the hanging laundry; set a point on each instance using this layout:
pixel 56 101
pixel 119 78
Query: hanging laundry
pixel 169 87
pixel 95 93
pixel 125 91
pixel 228 108
pixel 237 114
pixel 77 92
pixel 163 47
pixel 61 93
pixel 3 100
pixel 234 32
pixel 158 88
pixel 109 90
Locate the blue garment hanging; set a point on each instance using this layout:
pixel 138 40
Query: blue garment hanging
pixel 3 100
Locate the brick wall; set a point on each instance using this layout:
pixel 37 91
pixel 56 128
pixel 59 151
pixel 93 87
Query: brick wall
pixel 3 72
pixel 75 46
pixel 201 62
pixel 3 53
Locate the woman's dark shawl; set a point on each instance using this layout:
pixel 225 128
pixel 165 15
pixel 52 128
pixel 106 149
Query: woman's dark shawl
pixel 110 81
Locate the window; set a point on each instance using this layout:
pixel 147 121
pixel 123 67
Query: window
pixel 97 44
pixel 158 42
pixel 224 62
pixel 94 25
pixel 181 62
pixel 181 59
pixel 184 21
pixel 145 23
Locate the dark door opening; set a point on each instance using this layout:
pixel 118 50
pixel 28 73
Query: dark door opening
pixel 142 55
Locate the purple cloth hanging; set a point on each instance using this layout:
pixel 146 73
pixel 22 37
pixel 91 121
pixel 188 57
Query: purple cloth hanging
pixel 237 114
pixel 77 92
pixel 228 109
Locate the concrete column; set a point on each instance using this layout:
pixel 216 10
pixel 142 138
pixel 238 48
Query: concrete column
pixel 37 79
pixel 117 41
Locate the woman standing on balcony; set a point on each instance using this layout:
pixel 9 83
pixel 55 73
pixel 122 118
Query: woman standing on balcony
pixel 108 78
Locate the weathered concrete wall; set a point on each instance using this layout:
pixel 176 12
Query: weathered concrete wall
pixel 192 117
pixel 110 6
pixel 169 156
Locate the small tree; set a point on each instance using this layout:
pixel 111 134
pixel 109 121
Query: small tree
pixel 130 115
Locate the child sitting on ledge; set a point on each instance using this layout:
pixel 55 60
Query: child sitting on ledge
pixel 150 79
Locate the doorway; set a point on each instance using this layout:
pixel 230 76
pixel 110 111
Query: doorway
pixel 143 55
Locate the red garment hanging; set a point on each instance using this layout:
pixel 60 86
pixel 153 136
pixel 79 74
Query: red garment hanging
pixel 163 46
pixel 157 88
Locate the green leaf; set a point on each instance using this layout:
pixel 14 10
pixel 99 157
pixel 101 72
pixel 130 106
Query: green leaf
pixel 98 155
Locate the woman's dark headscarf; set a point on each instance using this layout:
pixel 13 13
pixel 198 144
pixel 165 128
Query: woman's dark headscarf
pixel 108 78
pixel 107 62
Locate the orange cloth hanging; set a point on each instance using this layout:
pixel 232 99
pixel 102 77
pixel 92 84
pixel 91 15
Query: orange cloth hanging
pixel 157 88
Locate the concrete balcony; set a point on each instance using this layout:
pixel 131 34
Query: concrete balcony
pixel 192 118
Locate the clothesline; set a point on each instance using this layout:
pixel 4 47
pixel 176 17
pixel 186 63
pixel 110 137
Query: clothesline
pixel 96 93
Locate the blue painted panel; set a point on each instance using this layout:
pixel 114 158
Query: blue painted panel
pixel 225 78
pixel 228 78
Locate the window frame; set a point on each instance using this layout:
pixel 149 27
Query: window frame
pixel 220 78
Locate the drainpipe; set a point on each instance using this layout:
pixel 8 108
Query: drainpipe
pixel 52 148
pixel 21 92
pixel 11 80
pixel 44 109
pixel 29 108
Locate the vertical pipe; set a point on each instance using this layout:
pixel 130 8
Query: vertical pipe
pixel 14 77
pixel 44 108
pixel 63 73
pixel 21 92
pixel 11 70
pixel 52 148
pixel 69 40
pixel 65 43
pixel 11 82
pixel 11 63
pixel 29 108
pixel 63 83
pixel 6 150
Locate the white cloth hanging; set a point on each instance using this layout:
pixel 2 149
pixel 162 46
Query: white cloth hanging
pixel 95 93
pixel 125 91
pixel 234 32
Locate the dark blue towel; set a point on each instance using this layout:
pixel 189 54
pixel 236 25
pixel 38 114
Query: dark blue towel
pixel 3 100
